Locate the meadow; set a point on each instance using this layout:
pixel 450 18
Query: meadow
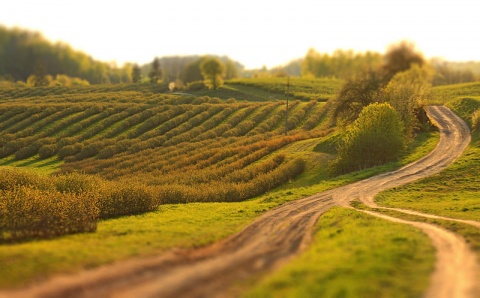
pixel 230 160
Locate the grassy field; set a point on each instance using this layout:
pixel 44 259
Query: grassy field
pixel 175 225
pixel 134 126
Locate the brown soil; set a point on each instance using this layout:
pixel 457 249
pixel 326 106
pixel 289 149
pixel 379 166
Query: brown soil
pixel 274 238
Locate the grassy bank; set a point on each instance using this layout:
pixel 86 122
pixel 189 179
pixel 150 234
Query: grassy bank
pixel 355 255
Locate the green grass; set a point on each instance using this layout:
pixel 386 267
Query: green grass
pixel 240 92
pixel 42 166
pixel 182 225
pixel 470 233
pixel 453 193
pixel 444 94
pixel 171 226
pixel 355 255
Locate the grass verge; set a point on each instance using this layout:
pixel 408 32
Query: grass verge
pixel 451 193
pixel 355 255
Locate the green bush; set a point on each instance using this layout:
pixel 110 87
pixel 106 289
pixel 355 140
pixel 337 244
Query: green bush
pixel 26 152
pixel 125 199
pixel 47 151
pixel 376 137
pixel 34 213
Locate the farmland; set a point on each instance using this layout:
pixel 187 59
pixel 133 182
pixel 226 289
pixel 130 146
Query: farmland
pixel 182 148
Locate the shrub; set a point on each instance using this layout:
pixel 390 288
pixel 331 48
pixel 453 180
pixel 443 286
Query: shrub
pixel 47 151
pixel 125 199
pixel 376 137
pixel 70 150
pixel 32 213
pixel 26 152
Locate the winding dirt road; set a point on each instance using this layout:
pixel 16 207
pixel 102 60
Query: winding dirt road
pixel 275 237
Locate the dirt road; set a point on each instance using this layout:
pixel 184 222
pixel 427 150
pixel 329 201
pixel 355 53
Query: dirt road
pixel 275 237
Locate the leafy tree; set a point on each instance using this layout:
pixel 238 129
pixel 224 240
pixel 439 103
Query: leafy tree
pixel 376 137
pixel 192 72
pixel 400 57
pixel 155 73
pixel 212 70
pixel 407 92
pixel 136 73
pixel 355 94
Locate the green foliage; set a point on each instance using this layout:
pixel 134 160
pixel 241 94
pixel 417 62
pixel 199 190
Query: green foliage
pixel 24 51
pixel 341 64
pixel 155 73
pixel 125 199
pixel 355 94
pixel 407 92
pixel 136 74
pixel 196 85
pixel 400 57
pixel 212 71
pixel 376 137
pixel 33 213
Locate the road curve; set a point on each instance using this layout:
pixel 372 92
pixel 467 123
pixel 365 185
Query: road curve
pixel 270 240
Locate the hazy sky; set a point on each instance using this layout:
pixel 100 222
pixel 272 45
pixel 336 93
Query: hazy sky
pixel 253 32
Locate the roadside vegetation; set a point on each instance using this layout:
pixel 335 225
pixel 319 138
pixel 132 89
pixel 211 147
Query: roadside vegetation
pixel 454 191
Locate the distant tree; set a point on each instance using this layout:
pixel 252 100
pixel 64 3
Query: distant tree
pixel 212 70
pixel 136 73
pixel 39 77
pixel 231 69
pixel 400 57
pixel 155 73
pixel 192 72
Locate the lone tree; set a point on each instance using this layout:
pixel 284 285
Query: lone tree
pixel 355 94
pixel 212 71
pixel 401 57
pixel 136 73
pixel 155 73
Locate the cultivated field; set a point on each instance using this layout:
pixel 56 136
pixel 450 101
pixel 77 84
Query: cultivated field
pixel 164 149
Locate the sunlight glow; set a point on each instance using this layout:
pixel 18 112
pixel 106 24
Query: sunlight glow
pixel 252 32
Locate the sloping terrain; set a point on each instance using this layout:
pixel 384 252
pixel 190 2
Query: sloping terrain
pixel 277 236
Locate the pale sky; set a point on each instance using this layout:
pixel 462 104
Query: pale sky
pixel 252 32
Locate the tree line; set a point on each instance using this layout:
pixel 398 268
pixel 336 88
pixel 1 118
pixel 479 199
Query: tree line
pixel 30 59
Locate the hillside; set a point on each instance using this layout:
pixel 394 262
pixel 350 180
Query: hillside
pixel 177 141
pixel 164 148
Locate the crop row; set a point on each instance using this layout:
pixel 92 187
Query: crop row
pixel 318 89
pixel 102 130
